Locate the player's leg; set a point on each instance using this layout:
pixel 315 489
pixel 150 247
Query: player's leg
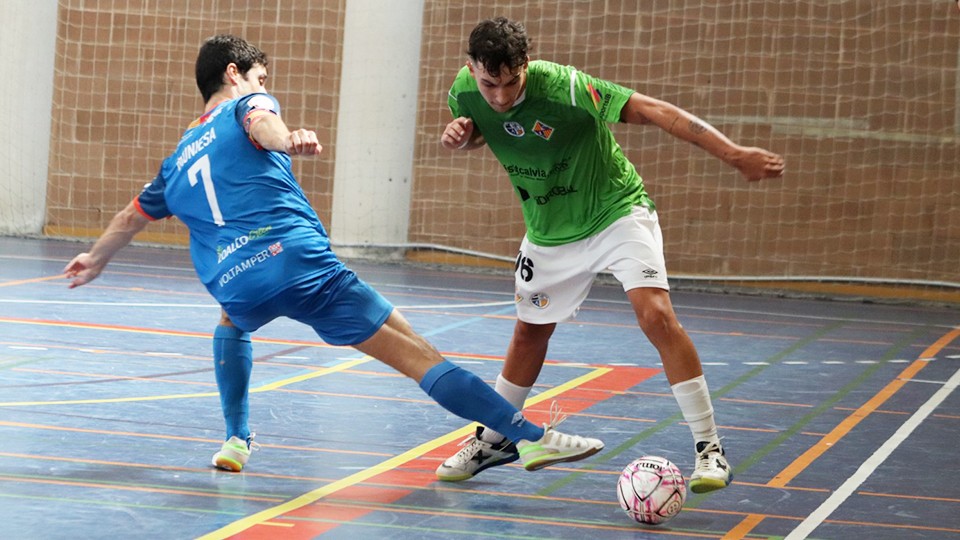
pixel 684 372
pixel 521 367
pixel 638 263
pixel 550 285
pixel 233 364
pixel 466 395
pixel 344 310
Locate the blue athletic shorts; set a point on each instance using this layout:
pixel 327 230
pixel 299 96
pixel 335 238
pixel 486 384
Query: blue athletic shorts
pixel 339 306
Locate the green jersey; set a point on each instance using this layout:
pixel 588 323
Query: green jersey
pixel 567 169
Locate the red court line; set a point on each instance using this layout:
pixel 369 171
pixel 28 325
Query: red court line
pixel 415 475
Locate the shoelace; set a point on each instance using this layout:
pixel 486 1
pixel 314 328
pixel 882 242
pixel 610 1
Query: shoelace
pixel 708 454
pixel 252 446
pixel 556 415
pixel 472 444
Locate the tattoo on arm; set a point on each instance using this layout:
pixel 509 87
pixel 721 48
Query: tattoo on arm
pixel 696 127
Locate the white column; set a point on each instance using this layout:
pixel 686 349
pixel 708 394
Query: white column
pixel 376 126
pixel 28 41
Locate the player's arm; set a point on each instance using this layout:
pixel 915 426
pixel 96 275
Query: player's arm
pixel 85 267
pixel 461 134
pixel 754 163
pixel 271 133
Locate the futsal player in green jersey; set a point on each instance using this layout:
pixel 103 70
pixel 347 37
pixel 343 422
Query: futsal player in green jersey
pixel 586 211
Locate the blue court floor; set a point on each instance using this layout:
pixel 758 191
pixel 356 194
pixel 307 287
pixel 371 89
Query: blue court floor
pixel 841 419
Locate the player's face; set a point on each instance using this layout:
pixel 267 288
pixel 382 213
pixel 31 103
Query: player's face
pixel 254 81
pixel 501 92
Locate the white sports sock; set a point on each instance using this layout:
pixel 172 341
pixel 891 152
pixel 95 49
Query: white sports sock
pixel 694 401
pixel 516 395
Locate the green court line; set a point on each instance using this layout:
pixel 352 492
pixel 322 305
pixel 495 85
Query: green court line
pixel 629 444
pixel 891 353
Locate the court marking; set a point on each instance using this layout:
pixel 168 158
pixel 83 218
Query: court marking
pixel 808 457
pixel 804 460
pixel 846 489
pixel 392 463
pixel 216 306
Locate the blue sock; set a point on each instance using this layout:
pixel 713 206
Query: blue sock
pixel 467 396
pixel 232 364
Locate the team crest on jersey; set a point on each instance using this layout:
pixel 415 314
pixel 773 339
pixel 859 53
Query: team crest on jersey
pixel 542 130
pixel 540 300
pixel 513 128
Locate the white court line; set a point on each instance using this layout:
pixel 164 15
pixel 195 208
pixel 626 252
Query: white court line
pixel 110 304
pixel 833 502
pixel 153 305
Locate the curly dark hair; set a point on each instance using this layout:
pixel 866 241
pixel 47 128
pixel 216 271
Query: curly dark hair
pixel 497 42
pixel 217 53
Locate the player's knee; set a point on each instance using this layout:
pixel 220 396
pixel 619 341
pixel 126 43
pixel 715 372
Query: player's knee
pixel 657 320
pixel 533 333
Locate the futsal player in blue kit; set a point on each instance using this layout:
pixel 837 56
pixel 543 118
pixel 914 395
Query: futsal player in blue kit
pixel 261 251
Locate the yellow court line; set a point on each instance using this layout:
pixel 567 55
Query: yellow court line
pixel 303 500
pixel 265 388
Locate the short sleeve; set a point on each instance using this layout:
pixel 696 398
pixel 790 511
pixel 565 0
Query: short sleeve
pixel 462 82
pixel 151 202
pixel 602 99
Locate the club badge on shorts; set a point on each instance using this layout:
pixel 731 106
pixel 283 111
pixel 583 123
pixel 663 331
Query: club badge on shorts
pixel 540 300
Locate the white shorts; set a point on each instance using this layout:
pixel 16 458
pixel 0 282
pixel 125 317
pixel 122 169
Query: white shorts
pixel 552 282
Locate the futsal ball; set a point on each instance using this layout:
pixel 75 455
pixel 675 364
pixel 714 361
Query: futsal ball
pixel 651 490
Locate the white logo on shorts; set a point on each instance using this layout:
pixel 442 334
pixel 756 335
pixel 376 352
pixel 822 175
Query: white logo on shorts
pixel 540 300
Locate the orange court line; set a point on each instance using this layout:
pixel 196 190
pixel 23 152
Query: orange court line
pixel 804 460
pixel 119 487
pixel 156 331
pixel 181 438
pixel 818 449
pixel 743 528
pixel 32 280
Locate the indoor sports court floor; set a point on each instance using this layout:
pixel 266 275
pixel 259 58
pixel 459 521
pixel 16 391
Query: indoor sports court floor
pixel 840 418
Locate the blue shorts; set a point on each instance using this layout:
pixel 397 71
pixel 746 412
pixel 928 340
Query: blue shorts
pixel 339 306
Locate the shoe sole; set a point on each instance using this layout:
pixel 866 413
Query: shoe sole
pixel 706 485
pixel 227 464
pixel 467 476
pixel 553 459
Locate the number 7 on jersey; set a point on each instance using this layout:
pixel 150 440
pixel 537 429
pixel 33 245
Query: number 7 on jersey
pixel 201 168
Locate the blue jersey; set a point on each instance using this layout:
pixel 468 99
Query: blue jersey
pixel 253 232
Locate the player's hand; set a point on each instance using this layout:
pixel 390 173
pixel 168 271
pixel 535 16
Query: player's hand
pixel 457 134
pixel 303 142
pixel 756 163
pixel 82 270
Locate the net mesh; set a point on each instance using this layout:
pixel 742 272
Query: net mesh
pixel 860 97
